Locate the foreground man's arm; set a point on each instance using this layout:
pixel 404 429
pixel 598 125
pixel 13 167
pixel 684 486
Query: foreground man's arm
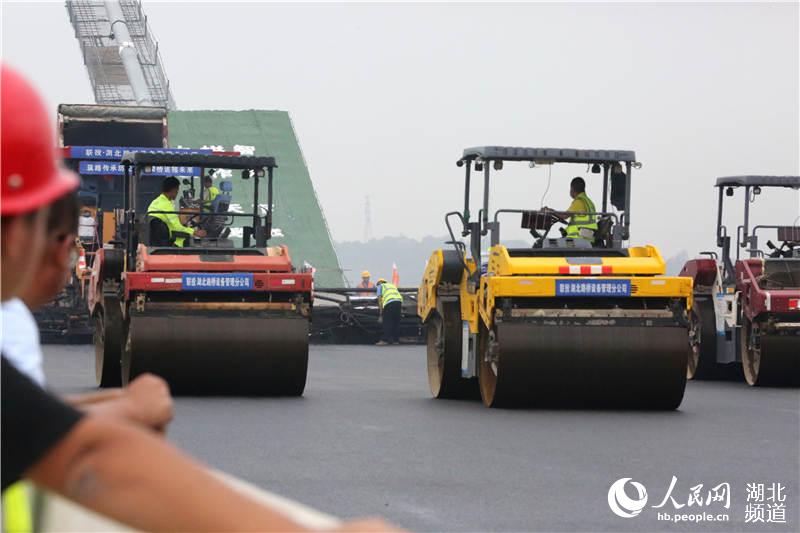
pixel 127 474
pixel 145 401
pixel 121 471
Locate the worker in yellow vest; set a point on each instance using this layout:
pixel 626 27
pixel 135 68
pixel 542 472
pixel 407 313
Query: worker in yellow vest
pixel 209 192
pixel 391 305
pixel 583 225
pixel 164 202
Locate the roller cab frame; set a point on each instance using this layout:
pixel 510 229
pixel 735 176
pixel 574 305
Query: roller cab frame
pixel 102 192
pixel 747 312
pixel 579 322
pixel 216 316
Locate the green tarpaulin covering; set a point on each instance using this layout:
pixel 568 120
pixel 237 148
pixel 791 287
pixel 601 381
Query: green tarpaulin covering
pixel 297 215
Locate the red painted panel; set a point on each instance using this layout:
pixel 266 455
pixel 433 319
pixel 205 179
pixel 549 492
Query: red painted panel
pixel 171 281
pixel 192 263
pixel 702 271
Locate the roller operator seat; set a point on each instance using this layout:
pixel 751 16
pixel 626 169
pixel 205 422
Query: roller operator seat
pixel 222 202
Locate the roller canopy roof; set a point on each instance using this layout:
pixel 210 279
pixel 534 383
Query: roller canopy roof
pixel 761 181
pixel 199 160
pixel 555 155
pixel 112 112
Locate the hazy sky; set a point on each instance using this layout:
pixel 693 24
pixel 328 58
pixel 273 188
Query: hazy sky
pixel 384 97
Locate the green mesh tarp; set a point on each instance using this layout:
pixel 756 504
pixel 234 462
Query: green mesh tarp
pixel 297 215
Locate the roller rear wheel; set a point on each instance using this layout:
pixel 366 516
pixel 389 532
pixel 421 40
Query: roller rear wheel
pixel 443 338
pixel 769 359
pixel 702 341
pixel 488 368
pixel 108 339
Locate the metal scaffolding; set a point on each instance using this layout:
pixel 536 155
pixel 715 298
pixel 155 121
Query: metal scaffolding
pixel 121 55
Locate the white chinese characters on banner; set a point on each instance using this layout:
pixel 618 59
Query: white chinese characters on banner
pixel 222 174
pixel 244 149
pixel 248 150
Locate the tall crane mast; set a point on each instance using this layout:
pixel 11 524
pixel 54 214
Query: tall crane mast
pixel 120 53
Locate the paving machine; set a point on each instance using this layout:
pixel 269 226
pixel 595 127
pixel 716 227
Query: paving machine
pixel 584 322
pixel 222 314
pixel 92 139
pixel 747 309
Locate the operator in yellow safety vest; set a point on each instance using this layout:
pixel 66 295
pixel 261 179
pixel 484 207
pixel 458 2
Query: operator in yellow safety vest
pixel 209 192
pixel 164 202
pixel 391 305
pixel 581 226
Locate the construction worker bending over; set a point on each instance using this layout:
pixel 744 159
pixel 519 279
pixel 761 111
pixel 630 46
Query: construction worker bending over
pixel 365 284
pixel 391 304
pixel 164 202
pixel 584 225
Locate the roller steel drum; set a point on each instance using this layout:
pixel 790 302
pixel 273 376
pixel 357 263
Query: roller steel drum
pixel 220 354
pixel 583 366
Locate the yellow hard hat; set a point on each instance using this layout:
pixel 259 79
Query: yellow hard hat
pixel 381 280
pixel 365 274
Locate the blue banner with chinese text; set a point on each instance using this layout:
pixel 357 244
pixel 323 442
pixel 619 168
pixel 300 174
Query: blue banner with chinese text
pixel 217 282
pixel 593 287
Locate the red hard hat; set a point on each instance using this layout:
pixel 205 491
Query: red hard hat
pixel 31 175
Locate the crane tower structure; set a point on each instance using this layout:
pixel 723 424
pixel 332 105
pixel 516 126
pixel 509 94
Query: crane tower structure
pixel 120 53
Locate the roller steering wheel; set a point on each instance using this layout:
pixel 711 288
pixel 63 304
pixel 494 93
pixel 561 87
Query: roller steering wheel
pixel 785 250
pixel 192 217
pixel 555 216
pixel 189 220
pixel 552 217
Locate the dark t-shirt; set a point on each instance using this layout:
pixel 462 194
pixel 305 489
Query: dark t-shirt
pixel 32 422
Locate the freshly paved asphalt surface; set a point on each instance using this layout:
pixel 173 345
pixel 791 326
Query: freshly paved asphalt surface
pixel 366 439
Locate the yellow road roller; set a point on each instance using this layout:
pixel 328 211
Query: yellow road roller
pixel 580 320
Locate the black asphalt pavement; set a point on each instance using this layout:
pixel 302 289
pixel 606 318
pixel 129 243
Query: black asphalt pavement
pixel 367 439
